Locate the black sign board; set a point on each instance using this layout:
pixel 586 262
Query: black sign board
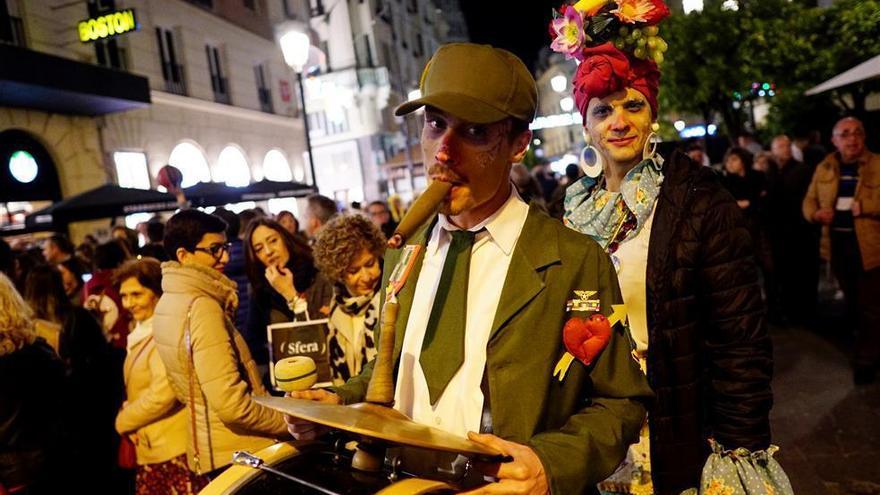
pixel 300 338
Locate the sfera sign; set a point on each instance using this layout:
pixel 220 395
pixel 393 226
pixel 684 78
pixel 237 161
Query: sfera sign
pixel 107 25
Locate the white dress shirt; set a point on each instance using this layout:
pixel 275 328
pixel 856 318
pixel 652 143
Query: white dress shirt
pixel 459 409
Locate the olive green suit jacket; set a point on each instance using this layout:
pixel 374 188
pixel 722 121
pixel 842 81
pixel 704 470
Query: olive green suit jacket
pixel 581 427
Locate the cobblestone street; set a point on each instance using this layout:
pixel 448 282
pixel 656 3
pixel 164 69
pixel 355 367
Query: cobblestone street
pixel 827 428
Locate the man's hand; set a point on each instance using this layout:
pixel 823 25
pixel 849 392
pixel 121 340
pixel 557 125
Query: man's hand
pixel 281 279
pixel 524 475
pixel 856 209
pixel 824 216
pixel 301 429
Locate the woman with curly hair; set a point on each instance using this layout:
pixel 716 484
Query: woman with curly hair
pixel 287 286
pixel 349 250
pixel 30 423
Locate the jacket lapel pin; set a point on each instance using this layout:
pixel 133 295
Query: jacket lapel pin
pixel 584 338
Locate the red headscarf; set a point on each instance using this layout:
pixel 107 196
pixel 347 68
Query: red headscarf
pixel 606 70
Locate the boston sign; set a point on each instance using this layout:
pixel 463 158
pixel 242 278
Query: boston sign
pixel 107 25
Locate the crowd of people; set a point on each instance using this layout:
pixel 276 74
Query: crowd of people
pixel 153 351
pixel 81 321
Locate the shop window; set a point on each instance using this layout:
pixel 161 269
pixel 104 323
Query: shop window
pixel 131 169
pixel 192 163
pixel 232 167
pixel 276 167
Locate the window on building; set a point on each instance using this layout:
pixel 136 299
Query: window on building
pixel 232 167
pixel 250 5
pixel 191 162
pixel 11 26
pixel 418 45
pixel 412 6
pixel 289 9
pixel 276 167
pixel 317 7
pixel 264 91
pixel 219 83
pixel 208 4
pixel 131 169
pixel 172 69
pixel 112 53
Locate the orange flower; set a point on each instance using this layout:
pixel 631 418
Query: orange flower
pixel 649 12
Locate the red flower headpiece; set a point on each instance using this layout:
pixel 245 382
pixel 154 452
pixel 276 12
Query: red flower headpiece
pixel 605 70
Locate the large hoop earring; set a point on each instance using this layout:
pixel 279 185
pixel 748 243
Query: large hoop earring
pixel 591 161
pixel 649 152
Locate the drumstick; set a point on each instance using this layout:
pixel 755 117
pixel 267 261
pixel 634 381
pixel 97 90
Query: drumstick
pixel 243 458
pixel 381 387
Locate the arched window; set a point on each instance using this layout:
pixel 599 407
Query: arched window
pixel 189 158
pixel 232 167
pixel 275 167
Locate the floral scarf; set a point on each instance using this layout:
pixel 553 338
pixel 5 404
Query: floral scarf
pixel 613 217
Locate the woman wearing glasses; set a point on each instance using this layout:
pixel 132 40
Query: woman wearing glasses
pixel 287 286
pixel 208 363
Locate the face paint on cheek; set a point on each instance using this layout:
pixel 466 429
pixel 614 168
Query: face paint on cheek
pixel 494 143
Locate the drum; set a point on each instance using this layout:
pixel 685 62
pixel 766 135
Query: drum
pixel 317 468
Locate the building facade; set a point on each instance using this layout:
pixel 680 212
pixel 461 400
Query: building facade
pixel 558 127
pixel 375 51
pixel 214 97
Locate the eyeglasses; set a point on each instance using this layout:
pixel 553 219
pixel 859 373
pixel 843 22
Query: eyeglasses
pixel 849 134
pixel 216 250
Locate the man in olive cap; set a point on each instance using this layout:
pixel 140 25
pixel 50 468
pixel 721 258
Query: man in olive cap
pixel 482 313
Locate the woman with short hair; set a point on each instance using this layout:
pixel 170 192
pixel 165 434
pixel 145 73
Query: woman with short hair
pixel 349 251
pixel 151 417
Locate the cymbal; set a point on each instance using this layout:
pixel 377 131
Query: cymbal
pixel 379 422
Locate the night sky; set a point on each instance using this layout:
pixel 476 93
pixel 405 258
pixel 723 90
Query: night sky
pixel 519 26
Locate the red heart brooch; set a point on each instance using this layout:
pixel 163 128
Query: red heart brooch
pixel 586 337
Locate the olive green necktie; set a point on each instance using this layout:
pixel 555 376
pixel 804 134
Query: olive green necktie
pixel 443 347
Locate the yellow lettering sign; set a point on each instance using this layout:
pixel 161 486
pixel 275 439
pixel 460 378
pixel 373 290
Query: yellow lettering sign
pixel 105 26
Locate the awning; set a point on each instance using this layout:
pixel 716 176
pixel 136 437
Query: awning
pixel 866 70
pixel 217 194
pixel 30 79
pixel 102 202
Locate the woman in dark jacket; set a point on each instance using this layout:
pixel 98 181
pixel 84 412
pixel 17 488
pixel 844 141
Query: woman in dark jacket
pixel 93 385
pixel 286 284
pixel 31 423
pixel 685 262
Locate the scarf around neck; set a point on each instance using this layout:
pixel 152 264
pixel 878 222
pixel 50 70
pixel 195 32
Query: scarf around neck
pixel 612 218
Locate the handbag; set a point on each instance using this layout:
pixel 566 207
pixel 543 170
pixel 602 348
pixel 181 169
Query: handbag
pixel 127 456
pixel 740 472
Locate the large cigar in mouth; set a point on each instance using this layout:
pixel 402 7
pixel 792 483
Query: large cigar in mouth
pixel 421 210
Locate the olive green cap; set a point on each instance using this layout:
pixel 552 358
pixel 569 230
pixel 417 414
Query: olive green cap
pixel 478 83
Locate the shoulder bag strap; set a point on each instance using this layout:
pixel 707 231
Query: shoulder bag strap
pixel 191 371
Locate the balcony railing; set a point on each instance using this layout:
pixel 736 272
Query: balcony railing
pixel 174 80
pixel 221 89
pixel 265 96
pixel 15 35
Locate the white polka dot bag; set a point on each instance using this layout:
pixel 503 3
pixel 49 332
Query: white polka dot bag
pixel 740 472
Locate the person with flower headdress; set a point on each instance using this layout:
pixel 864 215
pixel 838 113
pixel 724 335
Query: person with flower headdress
pixel 683 256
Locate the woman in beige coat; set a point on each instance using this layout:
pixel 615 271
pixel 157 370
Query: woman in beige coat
pixel 209 365
pixel 151 417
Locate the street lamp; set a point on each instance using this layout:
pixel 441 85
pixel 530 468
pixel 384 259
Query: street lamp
pixel 295 45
